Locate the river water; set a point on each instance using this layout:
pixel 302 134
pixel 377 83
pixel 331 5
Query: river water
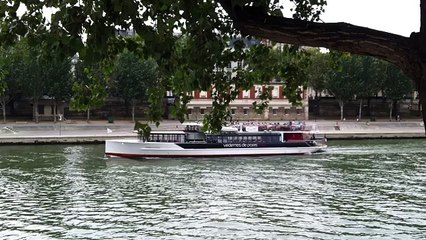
pixel 356 190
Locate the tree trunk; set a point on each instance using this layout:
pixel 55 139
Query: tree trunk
pixel 35 110
pixel 360 110
pixel 54 111
pixel 88 114
pixel 422 102
pixel 390 110
pixel 337 36
pixel 341 104
pixel 3 107
pixel 4 113
pixel 133 109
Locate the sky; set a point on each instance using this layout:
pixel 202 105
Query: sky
pixel 401 17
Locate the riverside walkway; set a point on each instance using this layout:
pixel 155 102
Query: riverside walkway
pixel 99 131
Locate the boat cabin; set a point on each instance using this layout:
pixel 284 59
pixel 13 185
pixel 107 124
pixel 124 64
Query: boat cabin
pixel 267 137
pixel 240 137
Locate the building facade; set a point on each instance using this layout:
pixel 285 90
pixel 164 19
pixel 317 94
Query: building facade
pixel 279 108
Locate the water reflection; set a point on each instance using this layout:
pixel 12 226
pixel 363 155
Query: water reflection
pixel 354 191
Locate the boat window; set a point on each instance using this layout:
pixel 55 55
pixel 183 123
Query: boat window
pixel 293 136
pixel 193 128
pixel 166 137
pixel 276 139
pixel 211 139
pixel 268 139
pixel 244 138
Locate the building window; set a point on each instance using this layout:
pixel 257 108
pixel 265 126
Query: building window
pixel 233 110
pixel 240 64
pixel 245 111
pixel 258 91
pixel 203 94
pixel 202 111
pixel 298 111
pixel 274 111
pixel 275 92
pixel 229 75
pixel 246 93
pixel 189 111
pixel 286 111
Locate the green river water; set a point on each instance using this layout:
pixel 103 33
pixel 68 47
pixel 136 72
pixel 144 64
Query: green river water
pixel 365 189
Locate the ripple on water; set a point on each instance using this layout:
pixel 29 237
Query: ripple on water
pixel 353 191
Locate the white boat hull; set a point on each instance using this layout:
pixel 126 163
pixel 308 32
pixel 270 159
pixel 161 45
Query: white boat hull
pixel 133 148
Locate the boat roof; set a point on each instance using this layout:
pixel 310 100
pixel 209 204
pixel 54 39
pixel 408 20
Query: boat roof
pixel 192 124
pixel 247 133
pixel 229 129
pixel 167 132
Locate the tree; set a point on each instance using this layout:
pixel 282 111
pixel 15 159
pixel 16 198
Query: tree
pixel 368 80
pixel 89 28
pixel 396 86
pixel 132 77
pixel 319 70
pixel 89 89
pixel 408 53
pixel 34 85
pixel 34 69
pixel 16 63
pixel 341 82
pixel 3 88
pixel 58 79
pixel 43 75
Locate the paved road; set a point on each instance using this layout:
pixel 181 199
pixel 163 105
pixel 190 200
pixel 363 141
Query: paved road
pixel 99 131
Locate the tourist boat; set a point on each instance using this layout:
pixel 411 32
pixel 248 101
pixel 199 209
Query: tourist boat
pixel 231 141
